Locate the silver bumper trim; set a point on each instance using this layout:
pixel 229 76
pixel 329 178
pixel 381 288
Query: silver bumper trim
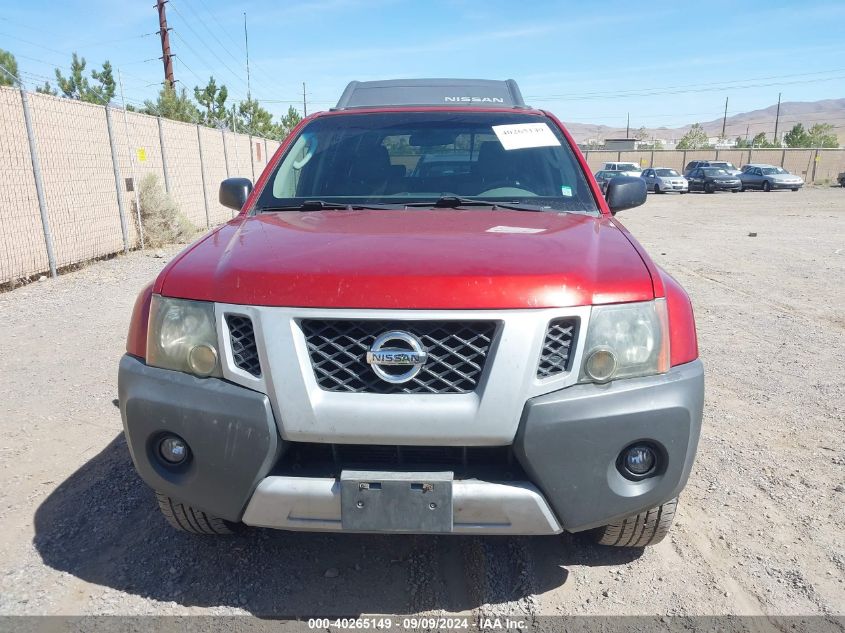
pixel 479 507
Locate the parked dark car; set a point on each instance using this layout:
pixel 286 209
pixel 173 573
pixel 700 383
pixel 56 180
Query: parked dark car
pixel 723 164
pixel 604 177
pixel 768 177
pixel 841 179
pixel 712 179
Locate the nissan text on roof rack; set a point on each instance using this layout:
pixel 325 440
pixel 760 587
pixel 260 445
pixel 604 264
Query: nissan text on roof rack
pixel 425 318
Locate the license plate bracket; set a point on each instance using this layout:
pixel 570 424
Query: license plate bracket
pixel 386 501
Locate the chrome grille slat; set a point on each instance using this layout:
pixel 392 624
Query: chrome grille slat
pixel 558 347
pixel 244 350
pixel 457 353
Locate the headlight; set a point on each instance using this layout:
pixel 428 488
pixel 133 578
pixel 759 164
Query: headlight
pixel 626 340
pixel 182 336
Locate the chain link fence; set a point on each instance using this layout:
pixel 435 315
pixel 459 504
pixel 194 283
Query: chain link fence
pixel 70 172
pixel 813 165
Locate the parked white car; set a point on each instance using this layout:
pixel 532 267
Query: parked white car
pixel 627 169
pixel 663 179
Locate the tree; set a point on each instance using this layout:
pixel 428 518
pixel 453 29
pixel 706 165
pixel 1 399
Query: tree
pixel 213 99
pixel 760 140
pixel 822 135
pixel 77 86
pixel 797 137
pixel 172 104
pixel 46 89
pixel 696 138
pixel 256 120
pixel 106 89
pixel 641 134
pixel 8 69
pixel 288 122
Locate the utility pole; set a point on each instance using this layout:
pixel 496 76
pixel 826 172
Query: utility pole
pixel 777 119
pixel 628 127
pixel 725 118
pixel 246 46
pixel 164 32
pixel 304 104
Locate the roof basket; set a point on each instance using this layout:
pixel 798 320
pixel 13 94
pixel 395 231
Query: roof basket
pixel 431 92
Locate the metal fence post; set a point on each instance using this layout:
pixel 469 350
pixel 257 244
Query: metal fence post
pixel 163 156
pixel 39 184
pixel 225 152
pixel 266 155
pixel 124 229
pixel 783 157
pixel 202 174
pixel 651 160
pixel 815 163
pixel 252 158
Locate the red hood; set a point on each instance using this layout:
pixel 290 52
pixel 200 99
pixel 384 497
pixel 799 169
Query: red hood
pixel 414 259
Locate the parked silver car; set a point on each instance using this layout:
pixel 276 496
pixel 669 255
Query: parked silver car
pixel 768 177
pixel 663 179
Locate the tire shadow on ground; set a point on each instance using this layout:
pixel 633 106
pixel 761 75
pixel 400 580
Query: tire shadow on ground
pixel 103 526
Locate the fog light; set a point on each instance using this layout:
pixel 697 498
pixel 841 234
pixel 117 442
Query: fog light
pixel 600 365
pixel 639 460
pixel 173 449
pixel 202 359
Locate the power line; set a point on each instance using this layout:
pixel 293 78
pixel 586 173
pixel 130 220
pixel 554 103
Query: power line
pixel 210 48
pixel 682 88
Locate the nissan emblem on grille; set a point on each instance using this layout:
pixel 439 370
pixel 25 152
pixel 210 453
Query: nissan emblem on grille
pixel 411 354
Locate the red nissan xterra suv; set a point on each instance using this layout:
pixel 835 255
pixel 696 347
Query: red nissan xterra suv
pixel 425 318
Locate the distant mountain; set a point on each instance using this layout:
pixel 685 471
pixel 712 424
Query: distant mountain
pixel 791 112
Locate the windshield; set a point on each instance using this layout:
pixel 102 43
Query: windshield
pixel 628 167
pixel 395 158
pixel 769 171
pixel 722 165
pixel 712 171
pixel 666 172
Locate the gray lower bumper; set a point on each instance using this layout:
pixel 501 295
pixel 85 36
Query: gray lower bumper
pixel 229 429
pixel 569 440
pixel 567 443
pixel 479 507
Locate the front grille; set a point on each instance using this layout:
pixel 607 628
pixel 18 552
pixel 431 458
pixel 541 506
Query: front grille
pixel 305 458
pixel 457 351
pixel 244 351
pixel 558 347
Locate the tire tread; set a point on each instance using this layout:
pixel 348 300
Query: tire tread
pixel 188 519
pixel 640 530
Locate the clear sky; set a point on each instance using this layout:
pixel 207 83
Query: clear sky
pixel 665 63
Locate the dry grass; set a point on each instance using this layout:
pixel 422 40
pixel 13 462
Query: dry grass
pixel 161 218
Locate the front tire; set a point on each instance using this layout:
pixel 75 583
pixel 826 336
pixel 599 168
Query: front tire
pixel 188 519
pixel 767 187
pixel 641 530
pixel 708 188
pixel 657 188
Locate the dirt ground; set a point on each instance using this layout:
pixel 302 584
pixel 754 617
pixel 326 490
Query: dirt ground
pixel 761 522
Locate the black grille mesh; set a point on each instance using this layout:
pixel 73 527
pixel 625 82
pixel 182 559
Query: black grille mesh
pixel 457 351
pixel 306 458
pixel 558 347
pixel 244 352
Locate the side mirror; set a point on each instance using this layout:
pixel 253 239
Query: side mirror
pixel 234 192
pixel 625 192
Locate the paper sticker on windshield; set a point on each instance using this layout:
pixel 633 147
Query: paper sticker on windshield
pixel 523 135
pixel 514 229
pixel 565 191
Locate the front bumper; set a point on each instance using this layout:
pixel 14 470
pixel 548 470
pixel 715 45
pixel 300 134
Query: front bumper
pixel 567 443
pixel 786 185
pixel 722 186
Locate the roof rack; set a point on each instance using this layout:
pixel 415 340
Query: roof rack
pixel 431 92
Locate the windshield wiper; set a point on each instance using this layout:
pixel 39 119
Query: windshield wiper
pixel 453 202
pixel 319 205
